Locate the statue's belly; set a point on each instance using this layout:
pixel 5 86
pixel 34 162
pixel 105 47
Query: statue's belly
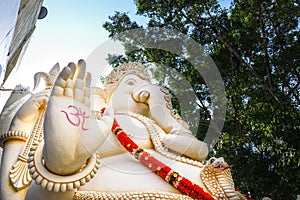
pixel 122 172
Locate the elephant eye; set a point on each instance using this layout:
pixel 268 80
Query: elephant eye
pixel 130 82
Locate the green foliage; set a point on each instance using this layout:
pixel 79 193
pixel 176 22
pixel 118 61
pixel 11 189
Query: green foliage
pixel 255 45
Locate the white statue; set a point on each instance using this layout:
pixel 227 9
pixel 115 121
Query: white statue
pixel 74 150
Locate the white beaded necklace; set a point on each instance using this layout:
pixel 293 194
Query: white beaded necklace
pixel 157 140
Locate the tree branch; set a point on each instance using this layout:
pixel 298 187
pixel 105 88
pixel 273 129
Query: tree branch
pixel 235 53
pixel 264 46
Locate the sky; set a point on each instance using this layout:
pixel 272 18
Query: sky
pixel 72 30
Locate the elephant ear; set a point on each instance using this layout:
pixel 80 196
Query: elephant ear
pixel 98 98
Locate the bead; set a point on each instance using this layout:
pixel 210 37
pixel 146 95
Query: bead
pixel 56 187
pixel 70 186
pixel 38 180
pixel 44 183
pixel 63 187
pixel 76 184
pixel 50 186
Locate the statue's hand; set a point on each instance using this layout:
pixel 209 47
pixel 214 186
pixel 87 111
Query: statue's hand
pixel 26 115
pixel 72 133
pixel 186 144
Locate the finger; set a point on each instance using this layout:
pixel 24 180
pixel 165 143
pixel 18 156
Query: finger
pixel 61 81
pixel 79 74
pixel 87 90
pixel 87 80
pixel 69 85
pixel 72 66
pixel 79 81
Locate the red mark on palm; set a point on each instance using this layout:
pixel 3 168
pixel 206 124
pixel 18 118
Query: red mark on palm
pixel 78 115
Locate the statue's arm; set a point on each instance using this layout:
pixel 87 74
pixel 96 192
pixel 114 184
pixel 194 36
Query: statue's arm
pixel 13 142
pixel 11 149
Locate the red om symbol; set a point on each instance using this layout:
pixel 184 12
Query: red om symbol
pixel 78 115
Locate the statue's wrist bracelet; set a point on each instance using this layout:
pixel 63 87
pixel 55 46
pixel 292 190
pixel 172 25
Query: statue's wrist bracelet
pixel 58 183
pixel 17 135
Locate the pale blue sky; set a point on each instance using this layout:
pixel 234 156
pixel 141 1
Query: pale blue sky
pixel 71 30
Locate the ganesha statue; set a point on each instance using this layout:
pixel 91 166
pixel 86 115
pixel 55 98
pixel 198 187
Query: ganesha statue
pixel 122 141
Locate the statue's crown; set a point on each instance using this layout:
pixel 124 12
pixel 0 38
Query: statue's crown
pixel 113 79
pixel 124 69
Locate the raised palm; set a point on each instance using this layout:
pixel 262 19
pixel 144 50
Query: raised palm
pixel 72 134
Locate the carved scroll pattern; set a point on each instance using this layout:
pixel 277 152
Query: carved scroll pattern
pixel 19 173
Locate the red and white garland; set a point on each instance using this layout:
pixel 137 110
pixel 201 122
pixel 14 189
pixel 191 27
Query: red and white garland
pixel 165 172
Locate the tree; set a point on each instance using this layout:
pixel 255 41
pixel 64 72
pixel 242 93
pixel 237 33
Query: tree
pixel 255 45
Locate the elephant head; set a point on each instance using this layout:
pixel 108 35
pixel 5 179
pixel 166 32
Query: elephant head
pixel 129 89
